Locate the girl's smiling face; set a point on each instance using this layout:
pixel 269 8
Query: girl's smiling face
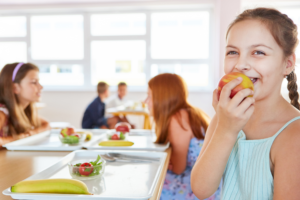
pixel 252 50
pixel 29 89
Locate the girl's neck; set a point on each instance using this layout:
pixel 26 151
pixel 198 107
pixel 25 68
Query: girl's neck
pixel 268 109
pixel 23 103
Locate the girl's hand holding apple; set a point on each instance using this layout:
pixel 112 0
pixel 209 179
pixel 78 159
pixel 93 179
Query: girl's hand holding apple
pixel 233 113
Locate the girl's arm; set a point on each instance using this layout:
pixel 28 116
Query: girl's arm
pixel 180 141
pixel 44 127
pixel 7 139
pixel 231 116
pixel 286 162
pixel 3 140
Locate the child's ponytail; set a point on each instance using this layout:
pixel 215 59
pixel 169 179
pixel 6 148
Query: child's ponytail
pixel 292 87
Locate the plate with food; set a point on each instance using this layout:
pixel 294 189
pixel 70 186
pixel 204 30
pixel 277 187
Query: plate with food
pixel 66 139
pixel 120 132
pixel 96 179
pixel 123 138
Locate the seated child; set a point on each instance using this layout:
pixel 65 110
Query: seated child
pixel 119 99
pixel 181 124
pixel 19 89
pixel 94 115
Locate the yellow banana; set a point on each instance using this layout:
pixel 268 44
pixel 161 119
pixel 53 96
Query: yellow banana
pixel 114 143
pixel 63 186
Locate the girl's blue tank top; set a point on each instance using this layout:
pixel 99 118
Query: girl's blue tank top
pixel 247 175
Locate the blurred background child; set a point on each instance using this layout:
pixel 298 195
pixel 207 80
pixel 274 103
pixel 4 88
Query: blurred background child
pixel 19 90
pixel 180 124
pixel 94 115
pixel 119 99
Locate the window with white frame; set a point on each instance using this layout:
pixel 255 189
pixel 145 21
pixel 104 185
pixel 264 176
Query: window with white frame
pixel 78 50
pixel 13 44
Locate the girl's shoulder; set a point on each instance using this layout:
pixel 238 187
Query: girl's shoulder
pixel 3 109
pixel 288 140
pixel 179 123
pixel 291 131
pixel 3 121
pixel 180 118
pixel 285 162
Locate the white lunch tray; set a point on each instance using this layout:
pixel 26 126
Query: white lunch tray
pixel 143 141
pixel 47 141
pixel 121 181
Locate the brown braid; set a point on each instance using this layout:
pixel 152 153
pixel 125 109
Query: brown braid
pixel 292 87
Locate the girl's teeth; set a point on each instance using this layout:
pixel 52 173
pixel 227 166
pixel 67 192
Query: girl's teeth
pixel 253 79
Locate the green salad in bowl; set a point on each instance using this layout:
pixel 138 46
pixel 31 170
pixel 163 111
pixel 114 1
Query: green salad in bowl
pixel 87 170
pixel 69 136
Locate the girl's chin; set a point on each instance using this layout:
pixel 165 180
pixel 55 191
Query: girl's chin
pixel 36 100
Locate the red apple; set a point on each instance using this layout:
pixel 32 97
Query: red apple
pixel 123 127
pixel 246 83
pixel 67 131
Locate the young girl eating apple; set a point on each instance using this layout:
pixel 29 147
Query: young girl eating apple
pixel 253 142
pixel 19 89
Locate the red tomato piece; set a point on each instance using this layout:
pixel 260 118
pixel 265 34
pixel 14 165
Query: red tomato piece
pixel 86 169
pixel 115 137
pixel 76 134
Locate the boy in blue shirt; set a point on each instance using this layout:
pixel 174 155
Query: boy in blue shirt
pixel 94 114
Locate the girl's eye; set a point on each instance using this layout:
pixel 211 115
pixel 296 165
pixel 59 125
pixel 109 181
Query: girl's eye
pixel 232 53
pixel 259 53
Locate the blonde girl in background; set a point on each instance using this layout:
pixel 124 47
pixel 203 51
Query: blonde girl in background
pixel 254 142
pixel 19 89
pixel 181 124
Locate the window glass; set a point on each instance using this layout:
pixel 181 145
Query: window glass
pixel 62 74
pixel 118 24
pixel 115 61
pixel 57 44
pixel 180 35
pixel 11 52
pixel 57 37
pixel 13 26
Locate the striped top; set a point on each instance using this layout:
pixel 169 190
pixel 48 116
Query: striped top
pixel 247 175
